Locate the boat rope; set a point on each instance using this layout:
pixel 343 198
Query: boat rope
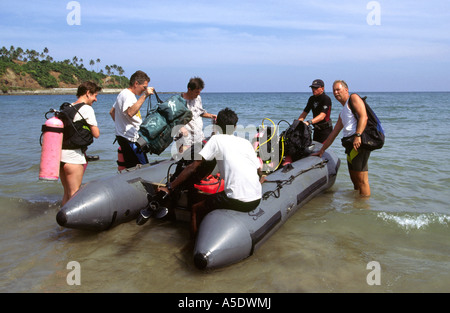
pixel 280 182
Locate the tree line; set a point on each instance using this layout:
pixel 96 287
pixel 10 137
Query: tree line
pixel 73 71
pixel 32 55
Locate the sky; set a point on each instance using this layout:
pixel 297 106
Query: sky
pixel 246 46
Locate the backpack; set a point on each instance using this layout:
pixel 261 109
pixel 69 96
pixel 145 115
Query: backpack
pixel 373 136
pixel 297 140
pixel 76 134
pixel 155 132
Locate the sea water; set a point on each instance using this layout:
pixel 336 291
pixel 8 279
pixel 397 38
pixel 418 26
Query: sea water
pixel 395 241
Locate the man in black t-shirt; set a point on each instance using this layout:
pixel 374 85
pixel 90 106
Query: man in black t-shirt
pixel 320 104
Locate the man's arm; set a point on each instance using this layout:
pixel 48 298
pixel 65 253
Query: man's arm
pixel 360 108
pixel 208 115
pixel 134 109
pixel 112 112
pixel 331 137
pixel 184 175
pixel 318 118
pixel 302 116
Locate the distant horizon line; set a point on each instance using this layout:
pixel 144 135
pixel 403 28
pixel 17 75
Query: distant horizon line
pixel 68 91
pixel 310 91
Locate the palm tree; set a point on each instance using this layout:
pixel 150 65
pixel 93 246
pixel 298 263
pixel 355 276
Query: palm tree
pixel 11 52
pixel 4 51
pixel 45 52
pixel 18 54
pixel 32 55
pixel 121 71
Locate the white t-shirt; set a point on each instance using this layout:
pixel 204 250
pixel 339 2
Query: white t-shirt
pixel 348 120
pixel 195 126
pixel 237 164
pixel 75 156
pixel 126 126
pixel 88 113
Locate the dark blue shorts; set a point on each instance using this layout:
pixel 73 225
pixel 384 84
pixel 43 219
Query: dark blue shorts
pixel 132 154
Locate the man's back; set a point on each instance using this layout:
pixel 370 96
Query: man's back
pixel 238 165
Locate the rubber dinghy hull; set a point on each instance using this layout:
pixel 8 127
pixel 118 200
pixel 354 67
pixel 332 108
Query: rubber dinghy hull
pixel 107 202
pixel 225 236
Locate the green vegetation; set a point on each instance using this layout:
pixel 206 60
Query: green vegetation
pixel 49 73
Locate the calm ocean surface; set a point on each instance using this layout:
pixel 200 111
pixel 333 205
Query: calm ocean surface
pixel 325 247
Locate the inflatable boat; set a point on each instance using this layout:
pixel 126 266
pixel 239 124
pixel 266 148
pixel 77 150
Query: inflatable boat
pixel 224 236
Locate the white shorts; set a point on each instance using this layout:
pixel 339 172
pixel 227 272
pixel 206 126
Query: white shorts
pixel 72 156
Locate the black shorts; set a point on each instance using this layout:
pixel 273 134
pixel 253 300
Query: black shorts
pixel 132 154
pixel 322 135
pixel 221 201
pixel 358 161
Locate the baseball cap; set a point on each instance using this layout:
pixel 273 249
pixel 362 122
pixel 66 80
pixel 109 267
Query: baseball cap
pixel 317 83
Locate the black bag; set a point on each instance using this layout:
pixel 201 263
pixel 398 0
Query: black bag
pixel 373 136
pixel 76 134
pixel 297 140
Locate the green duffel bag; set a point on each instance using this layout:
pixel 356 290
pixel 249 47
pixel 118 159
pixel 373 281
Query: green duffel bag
pixel 175 109
pixel 158 144
pixel 152 125
pixel 155 132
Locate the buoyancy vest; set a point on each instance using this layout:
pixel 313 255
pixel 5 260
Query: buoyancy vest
pixel 76 134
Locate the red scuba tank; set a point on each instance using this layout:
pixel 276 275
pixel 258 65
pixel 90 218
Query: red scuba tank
pixel 52 137
pixel 120 160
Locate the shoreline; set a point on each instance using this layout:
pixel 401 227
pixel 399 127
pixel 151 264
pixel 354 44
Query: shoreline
pixel 64 91
pixel 72 91
pixel 56 91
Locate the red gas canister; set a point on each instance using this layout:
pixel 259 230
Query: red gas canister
pixel 211 184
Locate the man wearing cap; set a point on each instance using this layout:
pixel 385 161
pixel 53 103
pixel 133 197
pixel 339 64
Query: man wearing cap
pixel 320 104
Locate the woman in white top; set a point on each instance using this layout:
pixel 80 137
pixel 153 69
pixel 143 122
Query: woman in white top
pixel 73 160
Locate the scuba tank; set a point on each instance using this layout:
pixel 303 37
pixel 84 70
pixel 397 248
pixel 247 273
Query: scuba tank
pixel 51 142
pixel 120 160
pixel 264 143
